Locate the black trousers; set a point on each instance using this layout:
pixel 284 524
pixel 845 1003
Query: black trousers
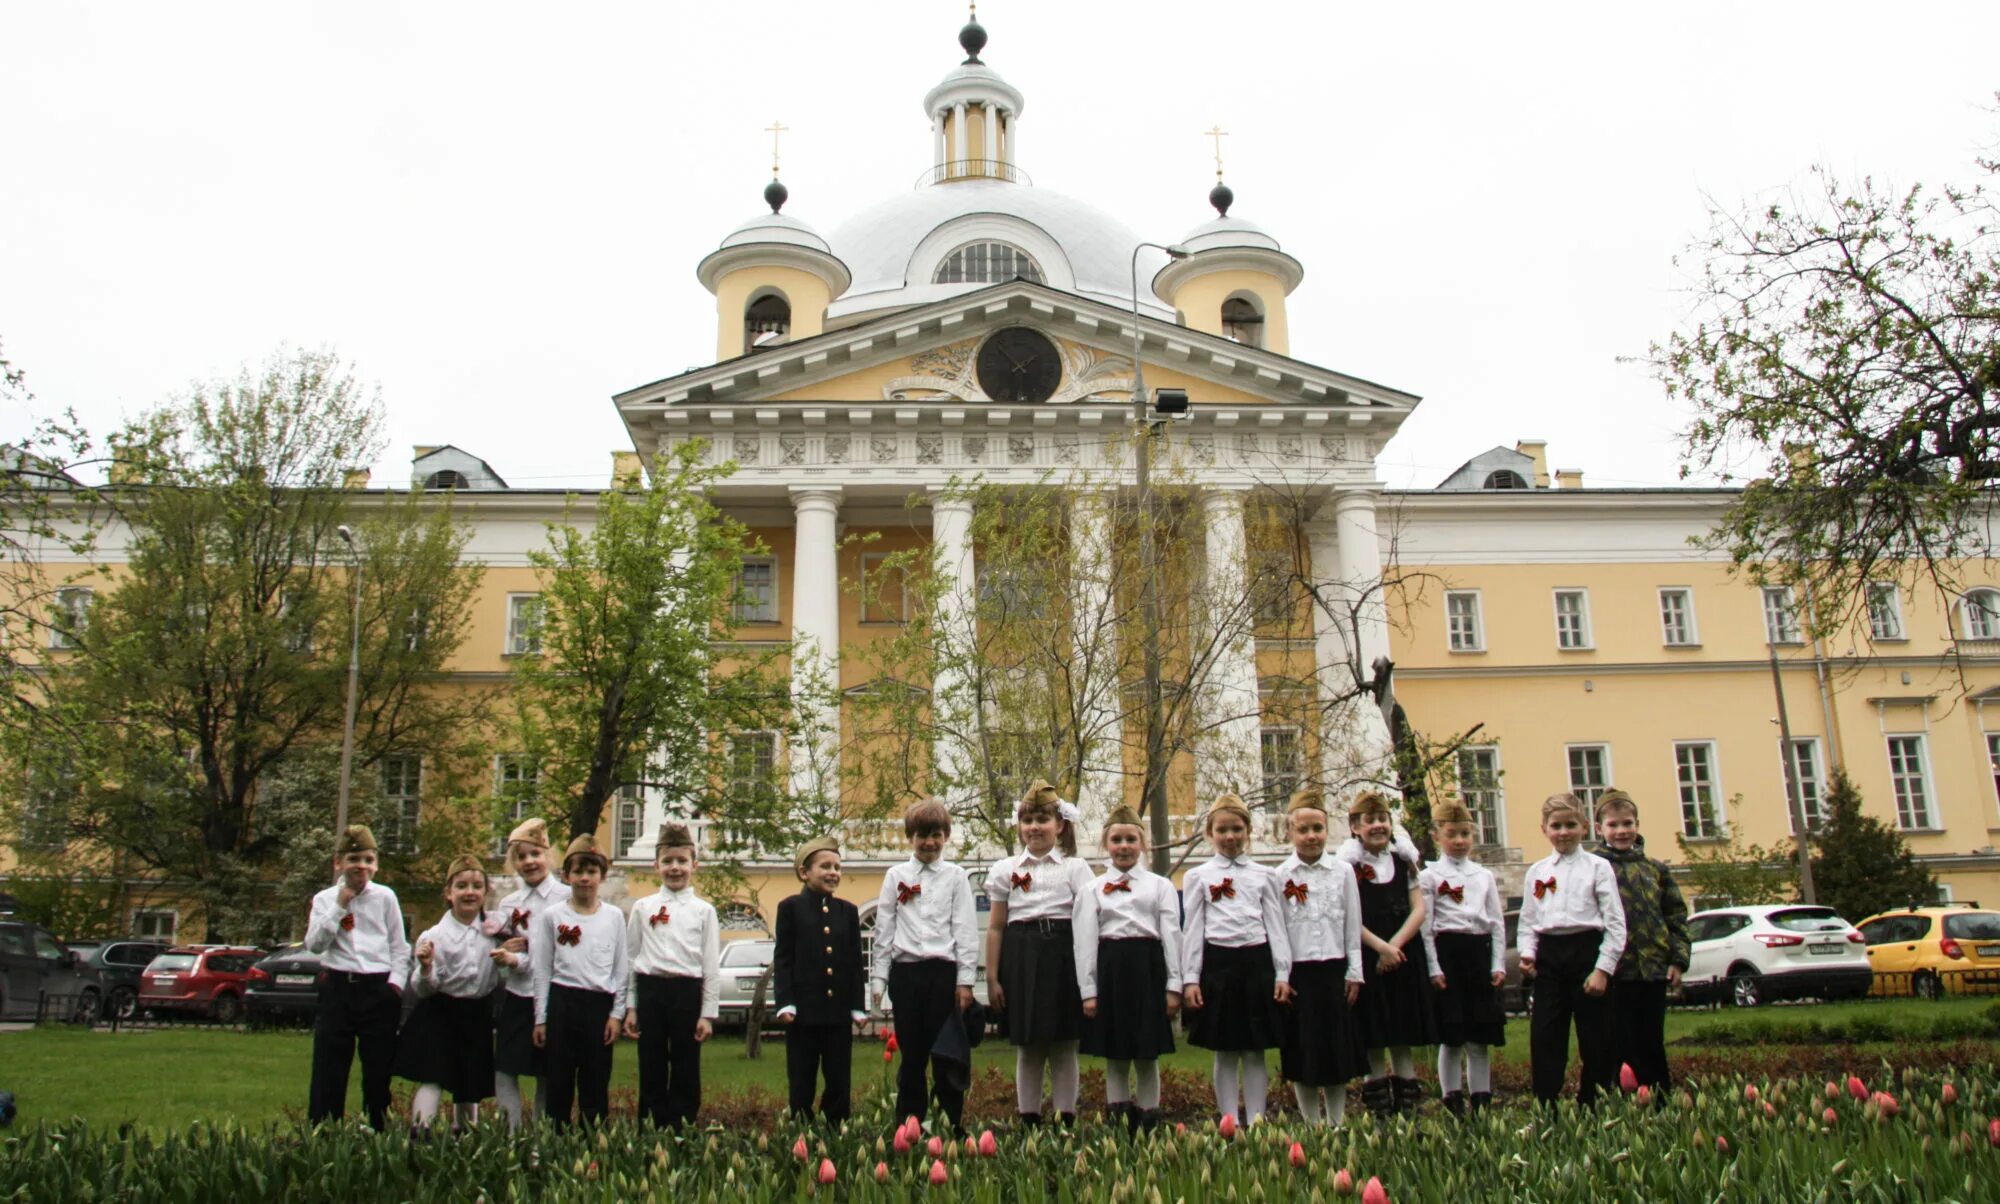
pixel 354 1009
pixel 669 1056
pixel 1562 964
pixel 924 994
pixel 1640 1018
pixel 579 1062
pixel 812 1050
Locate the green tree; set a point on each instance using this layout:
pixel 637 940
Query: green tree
pixel 1843 353
pixel 1736 873
pixel 1862 865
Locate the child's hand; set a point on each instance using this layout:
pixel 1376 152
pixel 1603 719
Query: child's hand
pixel 611 1028
pixel 1674 979
pixel 878 999
pixel 965 998
pixel 1499 978
pixel 996 993
pixel 1191 996
pixel 1353 993
pixel 1173 1004
pixel 541 1035
pixel 632 1025
pixel 702 1029
pixel 503 958
pixel 1597 984
pixel 1090 1007
pixel 426 950
pixel 1391 958
pixel 515 944
pixel 1527 967
pixel 1282 992
pixel 346 895
pixel 1437 980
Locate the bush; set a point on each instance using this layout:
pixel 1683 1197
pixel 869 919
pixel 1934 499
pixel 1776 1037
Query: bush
pixel 1870 1028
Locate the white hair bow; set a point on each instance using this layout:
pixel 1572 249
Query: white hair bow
pixel 1064 808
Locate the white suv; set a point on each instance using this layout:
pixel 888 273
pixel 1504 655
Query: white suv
pixel 1750 955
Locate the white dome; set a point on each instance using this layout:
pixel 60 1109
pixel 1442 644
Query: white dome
pixel 894 248
pixel 1228 232
pixel 776 227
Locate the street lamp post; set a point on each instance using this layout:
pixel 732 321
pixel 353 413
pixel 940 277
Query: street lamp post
pixel 1154 786
pixel 353 684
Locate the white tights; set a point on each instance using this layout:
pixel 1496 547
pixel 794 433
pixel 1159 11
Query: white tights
pixel 1061 1058
pixel 1234 1067
pixel 1399 1058
pixel 1478 1069
pixel 424 1108
pixel 507 1090
pixel 1117 1090
pixel 1334 1111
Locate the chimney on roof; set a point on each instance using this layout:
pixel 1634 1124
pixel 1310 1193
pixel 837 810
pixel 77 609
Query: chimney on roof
pixel 420 450
pixel 626 470
pixel 1538 451
pixel 1569 478
pixel 356 478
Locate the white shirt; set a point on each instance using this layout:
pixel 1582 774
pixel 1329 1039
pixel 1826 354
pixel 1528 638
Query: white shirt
pixel 688 944
pixel 1106 910
pixel 1584 896
pixel 519 979
pixel 1052 884
pixel 597 961
pixel 462 960
pixel 1325 925
pixel 1233 903
pixel 1469 904
pixel 364 937
pixel 938 920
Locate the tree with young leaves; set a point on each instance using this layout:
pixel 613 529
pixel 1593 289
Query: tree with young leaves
pixel 1861 865
pixel 1844 352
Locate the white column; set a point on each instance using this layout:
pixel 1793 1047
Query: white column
pixel 1228 756
pixel 951 703
pixel 816 636
pixel 1014 139
pixel 1094 655
pixel 937 138
pixel 957 135
pixel 992 152
pixel 1347 562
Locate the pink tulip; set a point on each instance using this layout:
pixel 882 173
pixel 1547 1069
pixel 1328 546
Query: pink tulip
pixel 939 1176
pixel 1228 1125
pixel 1832 1089
pixel 1949 1094
pixel 1721 1143
pixel 1993 1133
pixel 799 1150
pixel 1830 1116
pixel 988 1147
pixel 881 1172
pixel 826 1174
pixel 1298 1154
pixel 1627 1080
pixel 1750 1092
pixel 1180 1126
pixel 971 1147
pixel 1343 1182
pixel 1374 1193
pixel 902 1142
pixel 1856 1088
pixel 1645 1095
pixel 1768 1109
pixel 1885 1103
pixel 936 1147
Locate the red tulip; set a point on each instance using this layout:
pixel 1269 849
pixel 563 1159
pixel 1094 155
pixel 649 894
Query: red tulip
pixel 988 1147
pixel 1750 1091
pixel 1856 1088
pixel 1228 1125
pixel 892 1046
pixel 1993 1133
pixel 939 1176
pixel 1627 1080
pixel 1721 1143
pixel 1180 1126
pixel 1645 1095
pixel 888 1055
pixel 1374 1193
pixel 1949 1094
pixel 1298 1154
pixel 799 1150
pixel 881 1172
pixel 826 1174
pixel 902 1142
pixel 1830 1116
pixel 936 1147
pixel 1343 1182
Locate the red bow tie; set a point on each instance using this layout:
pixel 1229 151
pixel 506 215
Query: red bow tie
pixel 1295 891
pixel 908 890
pixel 566 935
pixel 1365 872
pixel 519 920
pixel 657 918
pixel 1123 884
pixel 347 922
pixel 1225 889
pixel 1023 881
pixel 1546 886
pixel 1455 893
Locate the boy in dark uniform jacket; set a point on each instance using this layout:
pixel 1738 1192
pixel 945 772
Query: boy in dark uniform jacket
pixel 1656 942
pixel 819 981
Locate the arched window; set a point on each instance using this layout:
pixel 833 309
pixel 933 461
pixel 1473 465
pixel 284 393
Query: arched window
pixel 1982 614
pixel 987 263
pixel 741 917
pixel 768 320
pixel 1243 322
pixel 1504 478
pixel 446 478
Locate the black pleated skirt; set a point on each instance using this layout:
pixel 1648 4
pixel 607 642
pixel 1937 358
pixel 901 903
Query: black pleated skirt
pixel 448 1040
pixel 1468 1009
pixel 514 1049
pixel 1131 1022
pixel 1323 1045
pixel 1237 1011
pixel 1395 1008
pixel 1038 975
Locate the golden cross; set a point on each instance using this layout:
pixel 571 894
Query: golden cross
pixel 1217 133
pixel 775 130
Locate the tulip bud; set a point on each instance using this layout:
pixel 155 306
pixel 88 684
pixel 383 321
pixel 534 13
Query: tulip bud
pixel 799 1150
pixel 1180 1126
pixel 1832 1089
pixel 1627 1080
pixel 902 1145
pixel 936 1147
pixel 1949 1093
pixel 1993 1133
pixel 1228 1125
pixel 881 1172
pixel 892 1046
pixel 1750 1091
pixel 1830 1116
pixel 988 1147
pixel 1856 1088
pixel 1721 1144
pixel 939 1176
pixel 1298 1154
pixel 971 1146
pixel 1374 1193
pixel 1885 1103
pixel 826 1173
pixel 1343 1181
pixel 1645 1095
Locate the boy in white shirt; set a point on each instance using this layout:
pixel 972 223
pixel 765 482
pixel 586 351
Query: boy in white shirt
pixel 357 929
pixel 1465 937
pixel 675 940
pixel 926 957
pixel 1572 935
pixel 583 982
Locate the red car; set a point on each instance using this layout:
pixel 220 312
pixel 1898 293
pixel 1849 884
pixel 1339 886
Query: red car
pixel 208 979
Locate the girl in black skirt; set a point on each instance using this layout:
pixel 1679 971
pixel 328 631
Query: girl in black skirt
pixel 1030 956
pixel 447 1044
pixel 1128 962
pixel 1323 1051
pixel 1395 1004
pixel 1237 961
pixel 1465 936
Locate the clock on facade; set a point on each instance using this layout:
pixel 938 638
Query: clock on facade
pixel 1019 364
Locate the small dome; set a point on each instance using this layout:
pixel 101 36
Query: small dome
pixel 1226 231
pixel 779 228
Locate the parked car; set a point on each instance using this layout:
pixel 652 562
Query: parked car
pixel 1932 951
pixel 119 965
pixel 205 979
pixel 742 964
pixel 35 965
pixel 283 987
pixel 1751 955
pixel 1514 992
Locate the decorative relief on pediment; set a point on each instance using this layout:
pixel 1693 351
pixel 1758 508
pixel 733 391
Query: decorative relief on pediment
pixel 940 374
pixel 882 448
pixel 792 449
pixel 930 449
pixel 838 448
pixel 744 449
pixel 974 449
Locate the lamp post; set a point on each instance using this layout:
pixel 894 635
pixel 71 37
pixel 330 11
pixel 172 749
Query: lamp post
pixel 353 683
pixel 1154 786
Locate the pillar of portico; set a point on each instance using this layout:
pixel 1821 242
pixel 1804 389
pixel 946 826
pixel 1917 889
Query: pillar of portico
pixel 951 700
pixel 1094 655
pixel 1227 757
pixel 814 771
pixel 1351 629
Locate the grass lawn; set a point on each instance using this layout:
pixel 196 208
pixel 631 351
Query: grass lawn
pixel 163 1079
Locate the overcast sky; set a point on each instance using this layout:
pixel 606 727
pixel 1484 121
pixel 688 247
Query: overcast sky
pixel 495 209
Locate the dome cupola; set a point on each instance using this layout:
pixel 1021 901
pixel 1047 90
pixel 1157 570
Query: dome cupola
pixel 975 117
pixel 1234 280
pixel 773 278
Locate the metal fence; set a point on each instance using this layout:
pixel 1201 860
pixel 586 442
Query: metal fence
pixel 1936 982
pixel 90 1010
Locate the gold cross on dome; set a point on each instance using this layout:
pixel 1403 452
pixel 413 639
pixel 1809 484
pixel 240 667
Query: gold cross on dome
pixel 1217 133
pixel 776 130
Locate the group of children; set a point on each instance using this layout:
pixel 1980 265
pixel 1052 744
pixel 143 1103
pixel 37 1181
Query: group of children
pixel 1344 960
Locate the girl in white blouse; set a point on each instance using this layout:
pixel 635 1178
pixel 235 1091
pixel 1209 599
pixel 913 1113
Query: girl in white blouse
pixel 1323 1049
pixel 447 1045
pixel 1128 946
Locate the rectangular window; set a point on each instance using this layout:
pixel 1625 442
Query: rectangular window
pixel 155 925
pixel 1993 758
pixel 627 809
pixel 71 618
pixel 416 630
pixel 402 784
pixel 524 624
pixel 1461 609
pixel 1479 788
pixel 45 810
pixel 1911 781
pixel 1701 809
pixel 753 766
pixel 1273 595
pixel 1589 771
pixel 1781 618
pixel 757 590
pixel 1572 619
pixel 514 781
pixel 1812 784
pixel 1282 760
pixel 1885 612
pixel 1677 618
pixel 884 596
pixel 1981 614
pixel 1008 592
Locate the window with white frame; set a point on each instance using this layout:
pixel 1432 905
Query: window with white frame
pixel 753 766
pixel 1479 790
pixel 156 925
pixel 1993 759
pixel 1811 783
pixel 1885 612
pixel 986 262
pixel 402 785
pixel 416 630
pixel 1781 618
pixel 628 809
pixel 1677 618
pixel 757 590
pixel 1981 614
pixel 884 596
pixel 45 807
pixel 514 780
pixel 1909 777
pixel 71 618
pixel 1282 758
pixel 1462 625
pixel 1572 619
pixel 1701 808
pixel 524 624
pixel 1589 772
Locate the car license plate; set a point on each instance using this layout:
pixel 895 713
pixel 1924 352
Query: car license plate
pixel 1989 950
pixel 163 980
pixel 295 980
pixel 1830 947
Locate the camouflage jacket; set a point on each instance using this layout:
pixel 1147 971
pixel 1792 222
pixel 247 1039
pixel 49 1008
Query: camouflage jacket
pixel 1655 914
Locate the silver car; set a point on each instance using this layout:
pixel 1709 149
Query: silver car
pixel 743 964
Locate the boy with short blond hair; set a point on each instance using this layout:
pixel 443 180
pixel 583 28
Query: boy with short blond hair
pixel 357 929
pixel 926 957
pixel 1572 935
pixel 675 940
pixel 1656 946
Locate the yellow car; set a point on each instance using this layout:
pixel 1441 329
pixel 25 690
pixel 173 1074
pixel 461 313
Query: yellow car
pixel 1933 951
